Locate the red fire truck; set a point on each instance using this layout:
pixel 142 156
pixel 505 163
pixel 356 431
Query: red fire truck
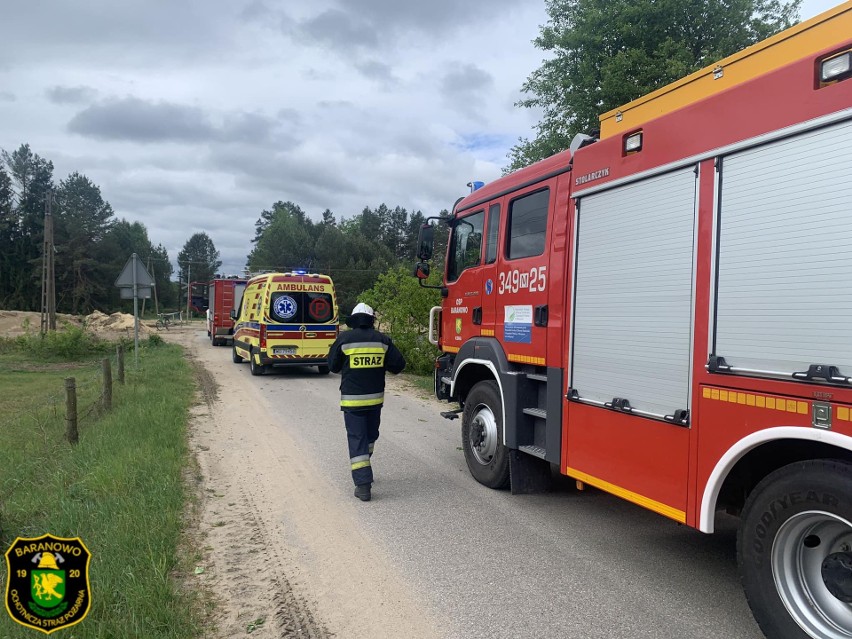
pixel 666 314
pixel 224 294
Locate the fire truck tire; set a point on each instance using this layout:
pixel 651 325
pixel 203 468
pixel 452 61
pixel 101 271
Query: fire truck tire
pixel 256 369
pixel 235 357
pixel 794 551
pixel 482 436
pixel 323 369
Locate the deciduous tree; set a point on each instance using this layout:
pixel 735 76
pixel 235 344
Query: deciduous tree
pixel 198 259
pixel 604 53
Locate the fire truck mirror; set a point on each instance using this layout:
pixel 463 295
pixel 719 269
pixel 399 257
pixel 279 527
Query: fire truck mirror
pixel 425 242
pixel 421 270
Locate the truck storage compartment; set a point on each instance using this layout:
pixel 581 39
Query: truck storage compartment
pixel 633 296
pixel 784 294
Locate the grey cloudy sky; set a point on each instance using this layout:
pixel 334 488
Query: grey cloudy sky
pixel 195 115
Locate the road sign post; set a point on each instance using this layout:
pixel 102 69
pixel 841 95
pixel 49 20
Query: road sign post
pixel 135 281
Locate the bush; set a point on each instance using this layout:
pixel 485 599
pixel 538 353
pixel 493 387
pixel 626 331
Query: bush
pixel 402 310
pixel 155 340
pixel 71 343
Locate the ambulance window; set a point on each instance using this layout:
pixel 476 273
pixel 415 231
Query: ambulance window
pixel 320 307
pixel 527 225
pixel 465 244
pixel 285 307
pixel 493 227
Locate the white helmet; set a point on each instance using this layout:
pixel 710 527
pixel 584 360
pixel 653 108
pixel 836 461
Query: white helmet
pixel 363 308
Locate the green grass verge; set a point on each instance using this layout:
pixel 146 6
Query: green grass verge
pixel 121 489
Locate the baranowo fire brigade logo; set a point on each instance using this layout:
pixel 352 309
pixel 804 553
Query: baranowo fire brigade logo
pixel 48 582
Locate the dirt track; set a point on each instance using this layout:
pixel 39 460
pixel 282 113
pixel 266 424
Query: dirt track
pixel 278 548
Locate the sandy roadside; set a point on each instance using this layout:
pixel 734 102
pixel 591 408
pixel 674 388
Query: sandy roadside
pixel 285 561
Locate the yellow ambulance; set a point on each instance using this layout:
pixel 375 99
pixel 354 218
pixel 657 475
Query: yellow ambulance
pixel 286 319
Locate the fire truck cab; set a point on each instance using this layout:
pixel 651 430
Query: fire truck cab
pixel 665 314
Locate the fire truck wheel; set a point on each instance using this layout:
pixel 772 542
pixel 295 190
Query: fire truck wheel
pixel 323 370
pixel 235 357
pixel 482 436
pixel 795 551
pixel 256 369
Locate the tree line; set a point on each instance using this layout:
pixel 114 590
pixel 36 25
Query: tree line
pixel 90 245
pixel 354 251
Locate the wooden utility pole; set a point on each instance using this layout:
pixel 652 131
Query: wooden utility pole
pixel 188 288
pixel 144 299
pixel 156 304
pixel 48 273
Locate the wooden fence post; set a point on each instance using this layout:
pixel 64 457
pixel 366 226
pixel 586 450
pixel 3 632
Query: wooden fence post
pixel 107 396
pixel 120 362
pixel 71 433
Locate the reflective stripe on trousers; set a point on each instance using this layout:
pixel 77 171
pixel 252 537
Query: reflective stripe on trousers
pixel 362 431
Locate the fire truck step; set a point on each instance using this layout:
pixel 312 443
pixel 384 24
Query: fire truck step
pixel 446 380
pixel 535 451
pixel 537 377
pixel 536 412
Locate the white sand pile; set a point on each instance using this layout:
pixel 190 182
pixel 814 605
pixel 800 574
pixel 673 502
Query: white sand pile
pixel 15 323
pixel 103 324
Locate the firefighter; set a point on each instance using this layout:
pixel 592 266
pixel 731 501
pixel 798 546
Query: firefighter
pixel 362 356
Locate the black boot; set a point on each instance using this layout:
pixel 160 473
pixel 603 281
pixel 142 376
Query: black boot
pixel 362 492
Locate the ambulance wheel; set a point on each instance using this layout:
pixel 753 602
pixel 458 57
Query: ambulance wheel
pixel 794 551
pixel 323 369
pixel 482 436
pixel 256 369
pixel 235 357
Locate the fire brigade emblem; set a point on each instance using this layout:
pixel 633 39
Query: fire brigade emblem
pixel 47 586
pixel 489 286
pixel 458 325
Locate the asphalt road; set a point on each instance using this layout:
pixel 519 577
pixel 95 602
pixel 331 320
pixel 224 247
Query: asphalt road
pixel 489 564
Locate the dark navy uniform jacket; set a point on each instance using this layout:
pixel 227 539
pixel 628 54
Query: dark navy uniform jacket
pixel 361 356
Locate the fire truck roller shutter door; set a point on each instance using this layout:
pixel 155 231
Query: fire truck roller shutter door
pixel 784 300
pixel 633 308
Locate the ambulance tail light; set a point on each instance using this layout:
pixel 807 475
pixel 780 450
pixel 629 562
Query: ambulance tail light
pixel 262 336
